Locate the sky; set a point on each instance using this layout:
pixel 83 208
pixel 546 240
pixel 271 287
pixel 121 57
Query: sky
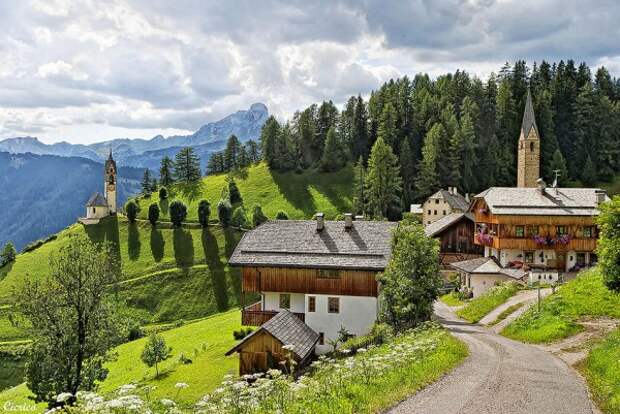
pixel 85 71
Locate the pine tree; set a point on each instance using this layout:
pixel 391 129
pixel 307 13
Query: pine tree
pixel 469 158
pixel 258 217
pixel 178 213
pixel 558 164
pixel 359 130
pixel 233 191
pixel 548 141
pixel 383 182
pixel 8 254
pixel 407 172
pixel 165 172
pixel 153 214
pixel 146 182
pixel 215 165
pixel 224 212
pixel 455 150
pixel 387 127
pixel 243 159
pixel 253 151
pixel 285 151
pixel 187 166
pixel 231 153
pixel 332 157
pixel 427 180
pixel 239 217
pixel 131 210
pixel 588 175
pixel 268 141
pixel 359 187
pixel 204 211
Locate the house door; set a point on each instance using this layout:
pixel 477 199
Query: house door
pixel 561 261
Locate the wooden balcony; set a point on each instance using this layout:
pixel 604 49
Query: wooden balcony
pixel 527 243
pixel 254 316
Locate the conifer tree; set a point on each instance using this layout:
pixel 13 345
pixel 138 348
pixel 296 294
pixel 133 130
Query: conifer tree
pixel 178 213
pixel 258 217
pixel 239 217
pixel 153 214
pixel 131 209
pixel 387 126
pixel 281 215
pixel 165 172
pixel 383 182
pixel 224 212
pixel 427 180
pixel 588 174
pixel 268 140
pixel 359 130
pixel 8 254
pixel 558 164
pixel 231 153
pixel 332 157
pixel 253 151
pixel 215 165
pixel 204 211
pixel 359 187
pixel 233 191
pixel 187 166
pixel 469 158
pixel 146 182
pixel 407 172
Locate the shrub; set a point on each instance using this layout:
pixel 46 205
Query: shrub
pixel 131 209
pixel 155 351
pixel 609 244
pixel 242 333
pixel 204 211
pixel 258 217
pixel 178 213
pixel 239 218
pixel 224 212
pixel 163 193
pixel 233 191
pixel 8 254
pixel 379 334
pixel 153 213
pixel 281 215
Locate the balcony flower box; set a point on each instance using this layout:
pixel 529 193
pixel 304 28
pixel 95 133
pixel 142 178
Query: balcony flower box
pixel 484 238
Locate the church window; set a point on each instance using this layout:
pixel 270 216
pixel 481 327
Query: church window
pixel 531 146
pixel 94 210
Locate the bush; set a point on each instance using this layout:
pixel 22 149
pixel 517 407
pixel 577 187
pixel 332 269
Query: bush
pixel 281 215
pixel 233 191
pixel 153 213
pixel 379 334
pixel 204 211
pixel 8 254
pixel 224 212
pixel 258 217
pixel 609 244
pixel 242 333
pixel 163 193
pixel 131 209
pixel 239 218
pixel 178 213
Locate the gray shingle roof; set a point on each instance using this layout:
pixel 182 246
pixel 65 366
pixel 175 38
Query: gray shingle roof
pixel 297 243
pixel 443 223
pixel 455 201
pixel 289 330
pixel 553 202
pixel 529 120
pixel 97 200
pixel 487 265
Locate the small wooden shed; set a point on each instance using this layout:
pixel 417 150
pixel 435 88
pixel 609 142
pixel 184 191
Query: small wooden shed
pixel 264 349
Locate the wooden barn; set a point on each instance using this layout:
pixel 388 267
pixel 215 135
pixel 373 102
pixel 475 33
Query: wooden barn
pixel 265 348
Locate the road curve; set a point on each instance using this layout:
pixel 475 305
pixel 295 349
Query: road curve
pixel 501 376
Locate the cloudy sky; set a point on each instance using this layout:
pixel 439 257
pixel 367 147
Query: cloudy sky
pixel 84 71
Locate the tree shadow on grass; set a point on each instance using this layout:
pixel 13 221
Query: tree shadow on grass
pixel 217 269
pixel 157 244
pixel 133 242
pixel 295 191
pixel 183 244
pixel 4 270
pixel 163 207
pixel 106 231
pixel 231 239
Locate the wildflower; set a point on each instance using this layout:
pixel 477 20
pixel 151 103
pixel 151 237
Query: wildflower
pixel 63 396
pixel 125 389
pixel 181 385
pixel 167 403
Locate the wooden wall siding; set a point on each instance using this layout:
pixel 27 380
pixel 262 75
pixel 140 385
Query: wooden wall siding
pixel 459 239
pixel 252 317
pixel 534 220
pixel 257 353
pixel 276 279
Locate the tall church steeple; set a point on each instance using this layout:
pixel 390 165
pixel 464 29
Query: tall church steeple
pixel 528 169
pixel 109 184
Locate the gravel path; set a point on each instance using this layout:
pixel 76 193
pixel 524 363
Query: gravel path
pixel 529 296
pixel 500 376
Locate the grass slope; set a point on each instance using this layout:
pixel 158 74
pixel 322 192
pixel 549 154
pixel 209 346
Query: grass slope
pixel 477 308
pixel 204 342
pixel 602 371
pixel 167 274
pixel 299 195
pixel 451 299
pixel 584 296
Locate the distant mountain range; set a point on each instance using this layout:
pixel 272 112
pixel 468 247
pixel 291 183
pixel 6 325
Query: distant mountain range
pixel 42 194
pixel 143 153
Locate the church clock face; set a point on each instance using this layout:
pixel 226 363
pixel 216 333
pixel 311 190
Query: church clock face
pixel 111 187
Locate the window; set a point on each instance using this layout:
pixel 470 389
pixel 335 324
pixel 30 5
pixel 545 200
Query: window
pixel 311 303
pixel 329 274
pixel 321 338
pixel 588 232
pixel 532 231
pixel 435 212
pixel 528 257
pixel 285 300
pixel 429 212
pixel 581 258
pixel 519 231
pixel 436 201
pixel 561 230
pixel 444 212
pixel 94 210
pixel 531 146
pixel 333 305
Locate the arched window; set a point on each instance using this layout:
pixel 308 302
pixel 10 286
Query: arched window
pixel 531 146
pixel 94 210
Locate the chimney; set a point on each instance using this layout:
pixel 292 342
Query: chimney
pixel 320 221
pixel 541 185
pixel 348 221
pixel 455 190
pixel 467 197
pixel 601 197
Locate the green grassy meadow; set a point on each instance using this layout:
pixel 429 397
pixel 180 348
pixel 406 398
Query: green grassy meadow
pixel 585 296
pixel 204 342
pixel 477 308
pixel 300 195
pixel 451 299
pixel 602 371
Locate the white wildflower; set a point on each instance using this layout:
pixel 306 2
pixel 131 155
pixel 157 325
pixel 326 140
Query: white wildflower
pixel 125 389
pixel 167 403
pixel 181 385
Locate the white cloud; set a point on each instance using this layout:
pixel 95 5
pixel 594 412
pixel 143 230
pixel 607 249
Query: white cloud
pixel 82 70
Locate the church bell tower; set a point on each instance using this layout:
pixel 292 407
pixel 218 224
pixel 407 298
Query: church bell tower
pixel 109 189
pixel 528 169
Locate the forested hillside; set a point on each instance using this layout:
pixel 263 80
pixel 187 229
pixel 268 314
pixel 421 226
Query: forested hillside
pixel 458 130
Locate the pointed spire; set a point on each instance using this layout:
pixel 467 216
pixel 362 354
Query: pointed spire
pixel 529 120
pixel 110 156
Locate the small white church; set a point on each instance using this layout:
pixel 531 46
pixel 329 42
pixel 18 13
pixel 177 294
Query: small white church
pixel 103 205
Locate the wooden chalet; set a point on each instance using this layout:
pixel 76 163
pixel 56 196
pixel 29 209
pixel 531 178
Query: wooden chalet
pixel 455 233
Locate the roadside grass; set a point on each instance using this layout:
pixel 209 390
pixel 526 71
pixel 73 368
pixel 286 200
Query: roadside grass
pixel 478 307
pixel 602 371
pixel 584 296
pixel 204 342
pixel 451 299
pixel 507 312
pixel 300 195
